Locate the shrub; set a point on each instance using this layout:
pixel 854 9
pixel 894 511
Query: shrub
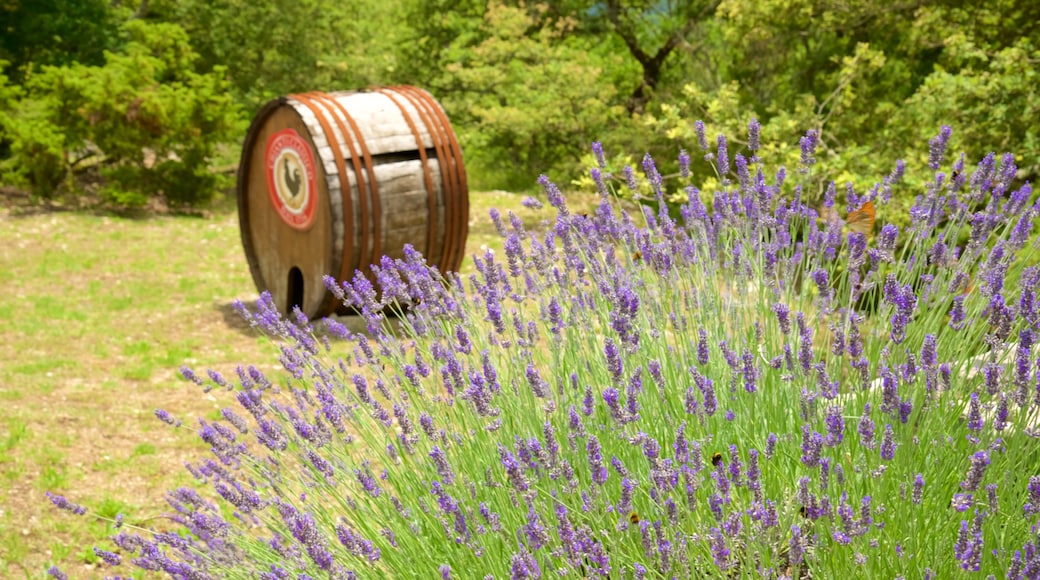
pixel 703 397
pixel 144 118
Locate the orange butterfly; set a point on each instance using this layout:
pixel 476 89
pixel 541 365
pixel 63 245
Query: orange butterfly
pixel 861 220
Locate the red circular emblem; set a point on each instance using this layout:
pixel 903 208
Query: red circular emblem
pixel 290 178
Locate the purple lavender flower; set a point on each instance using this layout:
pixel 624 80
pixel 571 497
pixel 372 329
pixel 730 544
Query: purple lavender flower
pixel 65 504
pixel 597 151
pixel 56 573
pixel 440 460
pixel 110 558
pixel 961 501
pixel 797 550
pixel 595 453
pixel 937 147
pixel 992 371
pixel 770 445
pixel 754 133
pixel 518 568
pixel 538 385
pixel 368 483
pixel 808 145
pixel 681 445
pixel 702 347
pixel 165 417
pixel 722 156
pixel 553 194
pixel 929 354
pixel 735 466
pixel 654 366
pixel 783 317
pixel 1000 421
pixel 887 239
pixel 753 472
pixel 975 421
pixel 536 534
pixel 1032 505
pixel 749 371
pixel 702 139
pixel 866 428
pixel 888 444
pixel 719 551
pixel 630 178
pixel 835 426
pixel 918 489
pixel 189 374
pixel 822 281
pixel 684 164
pixel 652 175
pixel 707 388
pixel 812 446
pixel 991 497
pixel 979 462
pixel 531 203
pixel 587 402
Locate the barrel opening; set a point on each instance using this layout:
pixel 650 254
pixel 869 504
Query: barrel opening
pixel 295 293
pixel 399 156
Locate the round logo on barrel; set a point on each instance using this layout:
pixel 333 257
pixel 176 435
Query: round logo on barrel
pixel 290 178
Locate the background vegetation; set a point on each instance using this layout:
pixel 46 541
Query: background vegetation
pixel 130 100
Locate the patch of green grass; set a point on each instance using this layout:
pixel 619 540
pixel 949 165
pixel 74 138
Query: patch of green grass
pixel 176 355
pixel 17 430
pixel 109 508
pixel 143 449
pixel 99 349
pixel 118 302
pixel 11 395
pixel 142 371
pixel 13 549
pixel 52 477
pixel 187 285
pixel 137 348
pixel 44 366
pixel 60 551
pixel 87 556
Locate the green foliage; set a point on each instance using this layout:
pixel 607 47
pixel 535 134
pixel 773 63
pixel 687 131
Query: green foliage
pixel 977 85
pixel 56 33
pixel 875 80
pixel 277 48
pixel 527 85
pixel 145 117
pixel 518 99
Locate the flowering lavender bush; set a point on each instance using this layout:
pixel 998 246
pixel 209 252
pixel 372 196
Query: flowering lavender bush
pixel 751 391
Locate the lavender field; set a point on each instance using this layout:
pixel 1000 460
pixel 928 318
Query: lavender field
pixel 739 385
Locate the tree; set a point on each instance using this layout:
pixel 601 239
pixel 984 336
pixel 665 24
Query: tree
pixel 55 32
pixel 145 117
pixel 277 48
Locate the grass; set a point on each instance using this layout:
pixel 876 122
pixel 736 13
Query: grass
pixel 99 312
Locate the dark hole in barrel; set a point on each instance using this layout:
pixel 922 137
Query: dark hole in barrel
pixel 399 156
pixel 295 289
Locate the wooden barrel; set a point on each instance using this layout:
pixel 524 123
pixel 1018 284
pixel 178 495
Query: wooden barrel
pixel 328 183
